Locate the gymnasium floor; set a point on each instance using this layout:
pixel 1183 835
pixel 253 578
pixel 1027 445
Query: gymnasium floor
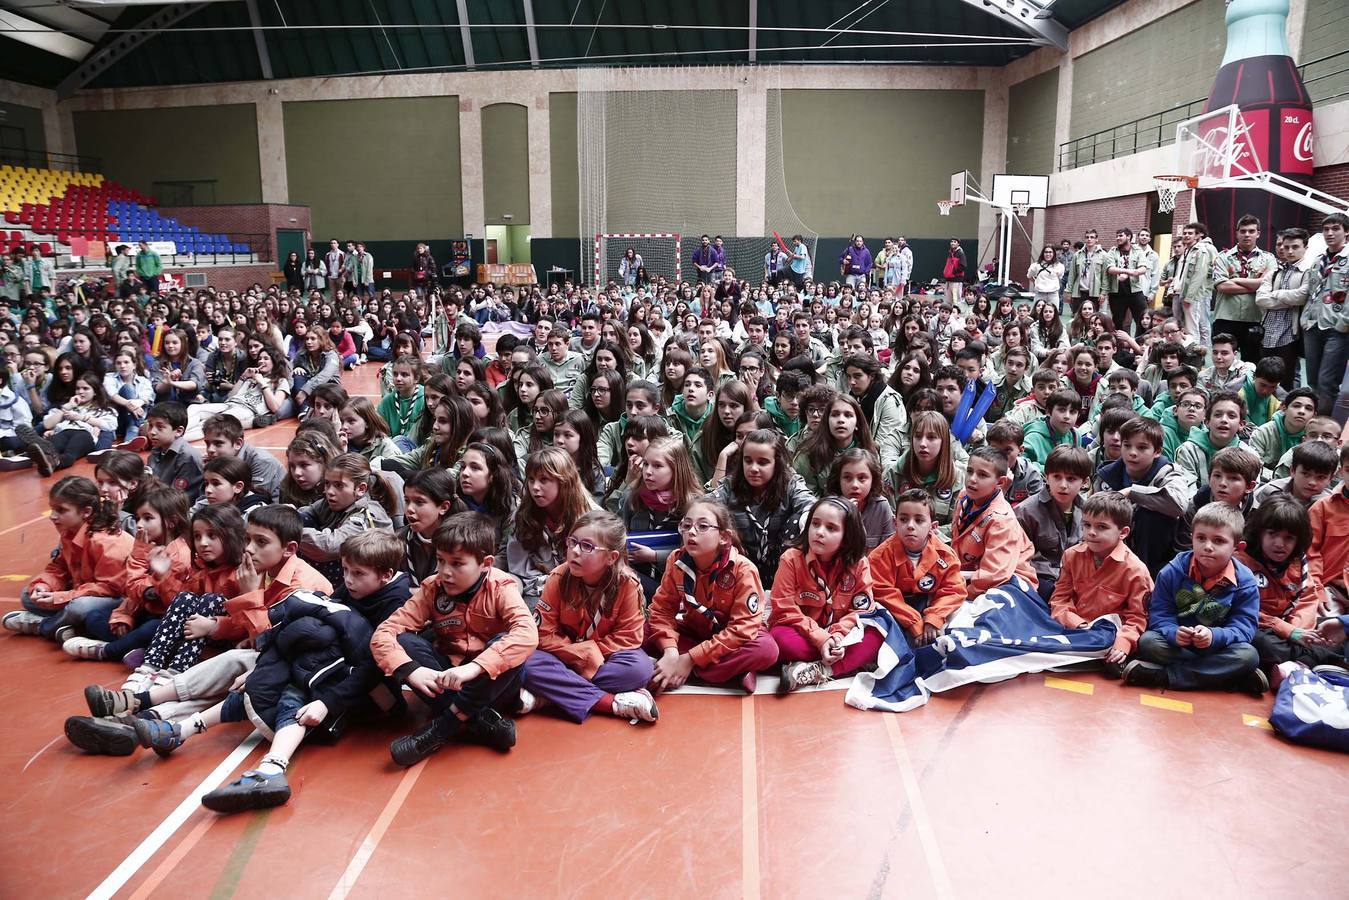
pixel 1044 786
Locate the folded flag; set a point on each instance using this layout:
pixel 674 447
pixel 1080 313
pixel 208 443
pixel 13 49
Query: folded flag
pixel 1312 708
pixel 1002 634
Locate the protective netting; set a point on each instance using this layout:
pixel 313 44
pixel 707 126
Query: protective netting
pixel 658 255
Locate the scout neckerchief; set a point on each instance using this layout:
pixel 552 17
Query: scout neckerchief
pixel 404 413
pixel 817 572
pixel 686 566
pixel 1244 259
pixel 969 513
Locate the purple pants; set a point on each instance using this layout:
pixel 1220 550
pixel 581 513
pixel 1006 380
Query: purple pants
pixel 793 646
pixel 756 655
pixel 548 677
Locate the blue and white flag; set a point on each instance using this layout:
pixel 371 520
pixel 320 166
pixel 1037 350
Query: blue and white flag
pixel 1312 708
pixel 1004 633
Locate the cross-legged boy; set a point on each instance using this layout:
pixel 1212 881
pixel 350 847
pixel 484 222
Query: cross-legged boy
pixel 1102 575
pixel 173 460
pixel 469 671
pixel 915 574
pixel 1203 615
pixel 1052 519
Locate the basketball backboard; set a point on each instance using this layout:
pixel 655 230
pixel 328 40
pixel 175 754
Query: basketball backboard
pixel 957 195
pixel 1218 145
pixel 1021 190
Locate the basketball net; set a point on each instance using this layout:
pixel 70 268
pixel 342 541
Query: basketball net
pixel 1168 186
pixel 1021 209
pixel 944 206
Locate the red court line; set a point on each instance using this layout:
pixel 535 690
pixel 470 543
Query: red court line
pixel 171 861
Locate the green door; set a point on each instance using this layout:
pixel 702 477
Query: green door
pixel 288 240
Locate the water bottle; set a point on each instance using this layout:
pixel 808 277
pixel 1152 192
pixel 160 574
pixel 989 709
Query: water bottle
pixel 1259 76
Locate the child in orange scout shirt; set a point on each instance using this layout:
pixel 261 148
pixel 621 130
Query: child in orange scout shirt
pixel 706 616
pixel 916 574
pixel 1102 575
pixel 1328 555
pixel 822 590
pixel 985 534
pixel 87 572
pixel 590 656
pixel 483 632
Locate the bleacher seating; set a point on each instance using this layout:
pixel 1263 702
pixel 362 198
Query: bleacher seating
pixel 85 205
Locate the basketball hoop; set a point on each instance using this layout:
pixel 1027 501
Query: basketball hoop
pixel 1021 209
pixel 944 206
pixel 1168 186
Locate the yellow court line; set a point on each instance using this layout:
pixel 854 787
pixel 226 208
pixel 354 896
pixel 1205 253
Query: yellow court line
pixel 926 836
pixel 1067 684
pixel 376 833
pixel 40 518
pixel 1251 721
pixel 1180 706
pixel 749 803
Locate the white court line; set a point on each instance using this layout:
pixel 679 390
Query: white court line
pixel 768 684
pixel 172 822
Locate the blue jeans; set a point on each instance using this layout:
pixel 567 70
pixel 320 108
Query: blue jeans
pixel 1192 669
pixel 127 424
pixel 350 360
pixel 404 443
pixel 96 627
pixel 73 613
pixel 1327 356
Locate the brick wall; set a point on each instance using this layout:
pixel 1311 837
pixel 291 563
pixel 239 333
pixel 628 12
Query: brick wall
pixel 1072 220
pixel 254 224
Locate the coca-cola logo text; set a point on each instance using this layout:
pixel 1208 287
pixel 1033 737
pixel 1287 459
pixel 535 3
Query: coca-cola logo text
pixel 1302 146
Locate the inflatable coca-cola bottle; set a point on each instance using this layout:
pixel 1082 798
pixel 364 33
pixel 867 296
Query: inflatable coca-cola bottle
pixel 1259 76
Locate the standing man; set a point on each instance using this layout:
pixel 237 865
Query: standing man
pixel 1325 318
pixel 774 264
pixel 39 273
pixel 1193 285
pixel 903 268
pixel 718 257
pixel 349 269
pixel 1086 273
pixel 332 265
pixel 1065 259
pixel 800 265
pixel 1237 275
pixel 11 278
pixel 855 261
pixel 365 272
pixel 954 272
pixel 1127 274
pixel 121 270
pixel 423 270
pixel 149 268
pixel 1152 262
pixel 1282 295
pixel 704 259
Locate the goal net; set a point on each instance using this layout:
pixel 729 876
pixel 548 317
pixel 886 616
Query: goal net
pixel 658 254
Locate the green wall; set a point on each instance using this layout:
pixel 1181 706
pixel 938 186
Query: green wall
pixel 380 169
pixel 1326 32
pixel 505 164
pixel 26 120
pixel 1032 110
pixel 1163 64
pixel 185 143
pixel 562 161
pixel 874 162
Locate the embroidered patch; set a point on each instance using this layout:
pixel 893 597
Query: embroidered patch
pixel 1261 580
pixel 753 603
pixel 942 564
pixel 56 553
pixel 861 601
pixel 847 582
pixel 456 621
pixel 810 596
pixel 726 579
pixel 443 604
pixel 544 606
pixel 1018 496
pixel 180 483
pixel 927 582
pixel 944 494
pixel 970 557
pixel 978 536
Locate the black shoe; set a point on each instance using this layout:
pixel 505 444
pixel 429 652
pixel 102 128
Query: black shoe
pixel 490 729
pixel 1253 682
pixel 40 450
pixel 253 790
pixel 1145 674
pixel 264 420
pixel 1112 670
pixel 415 747
pixel 105 737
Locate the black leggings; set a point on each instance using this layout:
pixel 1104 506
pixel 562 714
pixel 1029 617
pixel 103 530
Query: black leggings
pixel 72 445
pixel 168 648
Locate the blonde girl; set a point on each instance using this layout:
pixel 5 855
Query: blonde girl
pixel 929 464
pixel 554 499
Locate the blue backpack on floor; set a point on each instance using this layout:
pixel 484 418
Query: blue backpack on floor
pixel 1313 709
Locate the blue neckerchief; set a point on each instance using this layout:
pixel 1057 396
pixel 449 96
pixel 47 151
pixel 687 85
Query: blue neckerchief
pixel 969 513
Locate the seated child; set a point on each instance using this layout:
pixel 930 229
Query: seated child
pixel 856 477
pixel 1221 427
pixel 1158 491
pixel 1259 390
pixel 1285 430
pixel 222 436
pixel 915 573
pixel 985 534
pixel 1228 373
pixel 1178 380
pixel 1102 575
pixel 428 498
pixel 401 408
pixel 314 667
pixel 1027 479
pixel 1231 481
pixel 87 570
pixel 1328 555
pixel 1030 408
pixel 122 480
pixel 823 587
pixel 172 459
pixel 227 481
pixel 1314 465
pixel 1183 419
pixel 355 500
pixel 1106 443
pixel 1057 426
pixel 706 616
pixel 1321 428
pixel 1278 534
pixel 590 656
pixel 1052 519
pixel 1203 615
pixel 469 671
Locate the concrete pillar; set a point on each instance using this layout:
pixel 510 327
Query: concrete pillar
pixel 540 169
pixel 470 168
pixel 1063 121
pixel 751 152
pixel 1297 27
pixel 993 160
pixel 272 149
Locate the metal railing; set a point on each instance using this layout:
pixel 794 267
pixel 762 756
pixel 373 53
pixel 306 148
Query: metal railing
pixel 1326 78
pixel 42 159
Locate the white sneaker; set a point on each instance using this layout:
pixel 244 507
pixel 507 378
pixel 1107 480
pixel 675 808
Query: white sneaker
pixel 636 705
pixel 15 463
pixel 63 634
pixel 799 674
pixel 21 621
pixel 528 703
pixel 141 680
pixel 84 648
pixel 1331 669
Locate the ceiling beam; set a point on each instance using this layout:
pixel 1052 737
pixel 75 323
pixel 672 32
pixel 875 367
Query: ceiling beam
pixel 465 33
pixel 531 36
pixel 753 30
pixel 260 39
pixel 1020 14
pixel 122 44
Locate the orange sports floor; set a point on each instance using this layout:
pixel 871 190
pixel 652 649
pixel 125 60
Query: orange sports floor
pixel 1043 787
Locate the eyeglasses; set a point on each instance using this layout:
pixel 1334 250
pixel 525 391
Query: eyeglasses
pixel 688 525
pixel 1191 405
pixel 585 547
